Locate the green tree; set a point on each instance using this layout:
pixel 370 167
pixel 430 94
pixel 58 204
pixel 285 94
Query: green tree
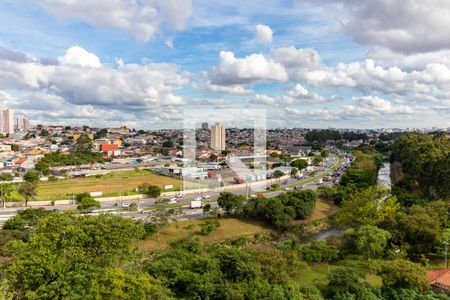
pixel 318 252
pixel 367 240
pixel 84 144
pixel 367 207
pixel 294 172
pixel 88 203
pixel 404 274
pixel 300 164
pixel 68 255
pixel 31 176
pixel 278 174
pixel 153 191
pixel 206 208
pixel 345 283
pixel 419 227
pixel 230 203
pixel 28 191
pixel 6 177
pixel 317 160
pixel 26 218
pixel 6 191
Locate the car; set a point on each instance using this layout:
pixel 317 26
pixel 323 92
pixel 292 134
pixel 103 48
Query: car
pixel 125 205
pixel 173 199
pixel 173 202
pixel 198 198
pixel 287 189
pixel 179 200
pixel 206 196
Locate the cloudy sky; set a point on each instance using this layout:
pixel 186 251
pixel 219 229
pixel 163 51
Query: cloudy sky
pixel 310 63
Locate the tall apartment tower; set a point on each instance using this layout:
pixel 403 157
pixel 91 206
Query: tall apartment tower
pixel 22 122
pixel 218 137
pixel 6 121
pixel 205 126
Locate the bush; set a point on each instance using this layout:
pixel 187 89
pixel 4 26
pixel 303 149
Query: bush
pixel 209 226
pixel 88 203
pixel 153 191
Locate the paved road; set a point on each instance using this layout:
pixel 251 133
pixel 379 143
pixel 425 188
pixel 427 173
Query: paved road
pixel 145 204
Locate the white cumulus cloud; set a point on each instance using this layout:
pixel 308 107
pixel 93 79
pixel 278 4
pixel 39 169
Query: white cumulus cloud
pixel 76 55
pixel 263 34
pixel 142 19
pixel 248 70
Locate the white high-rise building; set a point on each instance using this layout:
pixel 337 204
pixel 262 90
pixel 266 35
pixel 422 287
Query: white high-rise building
pixel 6 121
pixel 22 122
pixel 218 137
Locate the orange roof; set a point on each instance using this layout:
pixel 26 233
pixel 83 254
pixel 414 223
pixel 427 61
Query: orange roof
pixel 21 160
pixel 440 277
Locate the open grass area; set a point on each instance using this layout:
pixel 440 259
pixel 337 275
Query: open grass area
pixel 229 228
pixel 317 274
pixel 322 210
pixel 111 184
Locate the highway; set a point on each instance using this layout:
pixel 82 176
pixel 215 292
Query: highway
pixel 148 205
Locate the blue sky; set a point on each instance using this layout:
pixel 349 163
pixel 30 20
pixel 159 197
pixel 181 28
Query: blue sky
pixel 327 63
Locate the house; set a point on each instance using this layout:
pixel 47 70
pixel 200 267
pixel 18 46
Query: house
pixel 439 280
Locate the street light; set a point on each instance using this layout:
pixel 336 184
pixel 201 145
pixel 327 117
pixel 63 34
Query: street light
pixel 446 260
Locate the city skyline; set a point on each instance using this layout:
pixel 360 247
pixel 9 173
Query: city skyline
pixel 310 64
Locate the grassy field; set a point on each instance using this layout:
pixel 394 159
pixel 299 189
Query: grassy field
pixel 322 209
pixel 317 273
pixel 110 184
pixel 229 228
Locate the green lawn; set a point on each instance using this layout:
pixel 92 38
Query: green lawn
pixel 110 184
pixel 317 274
pixel 229 228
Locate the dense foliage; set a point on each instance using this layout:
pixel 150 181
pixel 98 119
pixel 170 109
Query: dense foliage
pixel 421 167
pixel 74 257
pixel 278 211
pixel 322 136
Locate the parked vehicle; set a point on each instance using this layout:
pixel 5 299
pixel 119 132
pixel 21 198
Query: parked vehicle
pixel 198 198
pixel 206 196
pixel 195 204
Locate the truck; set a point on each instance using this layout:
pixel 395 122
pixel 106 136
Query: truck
pixel 195 204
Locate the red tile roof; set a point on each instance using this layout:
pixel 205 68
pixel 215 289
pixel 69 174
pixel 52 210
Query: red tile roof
pixel 21 160
pixel 440 278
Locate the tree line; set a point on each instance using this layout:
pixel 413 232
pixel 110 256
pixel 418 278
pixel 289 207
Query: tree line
pixel 421 168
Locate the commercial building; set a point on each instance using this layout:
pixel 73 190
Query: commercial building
pixel 6 121
pixel 218 137
pixel 205 126
pixel 22 122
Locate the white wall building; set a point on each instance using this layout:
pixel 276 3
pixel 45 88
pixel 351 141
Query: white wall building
pixel 22 122
pixel 218 137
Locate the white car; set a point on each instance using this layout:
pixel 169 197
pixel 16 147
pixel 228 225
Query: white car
pixel 206 197
pixel 198 198
pixel 126 205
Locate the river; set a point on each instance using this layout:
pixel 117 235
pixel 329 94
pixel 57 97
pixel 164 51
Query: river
pixel 384 175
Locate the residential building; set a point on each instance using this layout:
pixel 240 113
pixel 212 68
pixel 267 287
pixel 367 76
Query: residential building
pixel 6 121
pixel 439 280
pixel 205 126
pixel 218 137
pixel 22 122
